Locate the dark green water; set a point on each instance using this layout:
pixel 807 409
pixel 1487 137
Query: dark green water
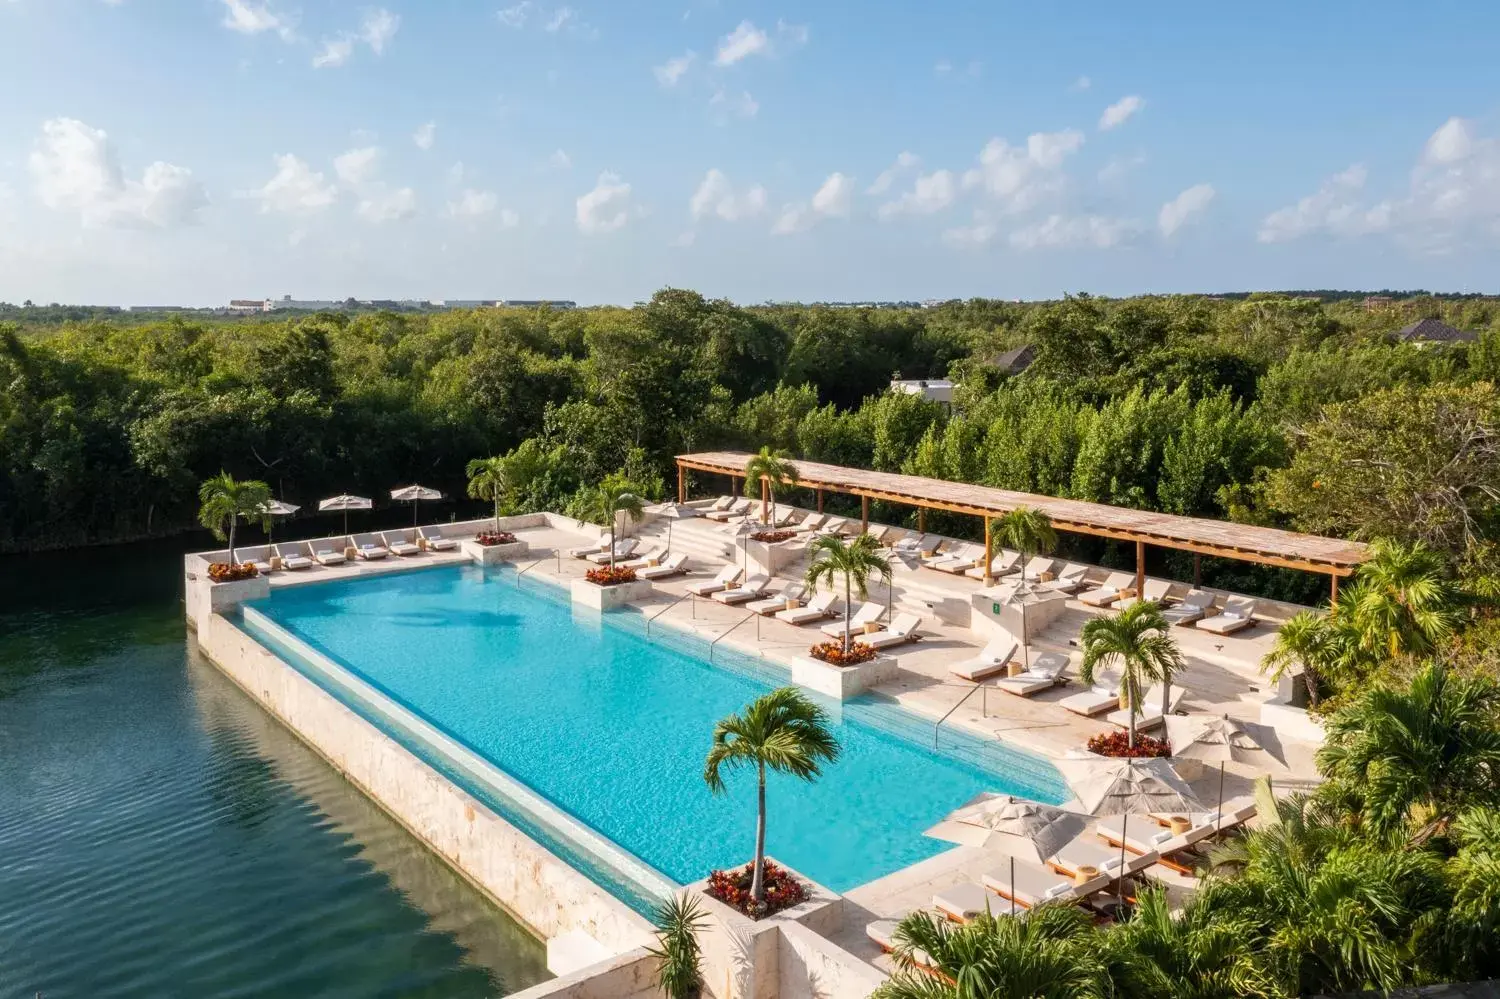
pixel 162 836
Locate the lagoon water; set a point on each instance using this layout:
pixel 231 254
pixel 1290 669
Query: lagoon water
pixel 160 835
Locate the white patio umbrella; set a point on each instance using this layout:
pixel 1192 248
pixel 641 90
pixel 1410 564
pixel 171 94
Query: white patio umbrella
pixel 1112 786
pixel 415 495
pixel 275 508
pixel 1212 739
pixel 345 503
pixel 1021 827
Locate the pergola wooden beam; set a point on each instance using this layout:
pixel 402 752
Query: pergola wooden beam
pixel 1201 536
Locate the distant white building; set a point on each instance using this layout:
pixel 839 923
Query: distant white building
pixel 931 389
pixel 249 305
pixel 306 305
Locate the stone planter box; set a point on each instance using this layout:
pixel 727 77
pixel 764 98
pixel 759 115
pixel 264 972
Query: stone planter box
pixel 493 554
pixel 771 559
pixel 603 598
pixel 842 682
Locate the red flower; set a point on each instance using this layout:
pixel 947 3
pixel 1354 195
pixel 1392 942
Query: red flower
pixel 833 653
pixel 1118 744
pixel 605 576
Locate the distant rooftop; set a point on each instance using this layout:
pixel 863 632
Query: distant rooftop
pixel 1434 331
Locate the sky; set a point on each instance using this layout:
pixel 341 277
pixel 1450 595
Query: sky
pixel 193 151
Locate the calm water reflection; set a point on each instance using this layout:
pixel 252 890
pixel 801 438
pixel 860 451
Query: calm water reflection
pixel 160 835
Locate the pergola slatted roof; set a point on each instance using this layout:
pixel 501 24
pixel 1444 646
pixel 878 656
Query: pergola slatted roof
pixel 1246 542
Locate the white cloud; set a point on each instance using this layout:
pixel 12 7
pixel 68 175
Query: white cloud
pixel 724 107
pixel 335 52
pixel 1061 232
pixel 973 237
pixel 716 196
pixel 792 34
pixel 250 18
pixel 357 166
pixel 296 189
pixel 509 219
pixel 560 18
pixel 606 207
pixel 831 200
pixel 515 16
pixel 744 41
pixel 1081 84
pixel 1019 177
pixel 1452 142
pixel 673 70
pixel 378 28
pixel 528 12
pixel 930 193
pixel 1120 111
pixel 905 161
pixel 559 160
pixel 472 204
pixel 1184 208
pixel 74 169
pixel 425 135
pixel 380 203
pixel 1334 209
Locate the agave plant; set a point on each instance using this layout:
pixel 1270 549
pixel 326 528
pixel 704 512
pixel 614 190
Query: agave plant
pixel 679 970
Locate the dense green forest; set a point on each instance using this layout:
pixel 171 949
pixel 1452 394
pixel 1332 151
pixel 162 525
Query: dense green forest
pixel 1295 411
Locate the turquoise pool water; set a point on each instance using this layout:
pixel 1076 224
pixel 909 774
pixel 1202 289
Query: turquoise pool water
pixel 613 728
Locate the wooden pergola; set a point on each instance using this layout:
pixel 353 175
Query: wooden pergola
pixel 1199 535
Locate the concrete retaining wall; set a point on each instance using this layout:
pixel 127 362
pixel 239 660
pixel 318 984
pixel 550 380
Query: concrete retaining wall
pixel 528 880
pixel 811 967
pixel 631 975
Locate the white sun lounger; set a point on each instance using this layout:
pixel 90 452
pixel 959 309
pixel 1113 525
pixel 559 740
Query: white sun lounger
pixel 883 933
pixel 1002 564
pixel 1038 566
pixel 368 546
pixel 1155 590
pixel 294 555
pixel 958 561
pixel 1234 812
pixel 1141 834
pixel 738 508
pixel 1238 614
pixel 1091 702
pixel 812 522
pixel 772 604
pixel 643 560
pixel 435 540
pixel 402 543
pixel 1117 585
pixel 993 658
pixel 868 613
pixel 898 632
pixel 1085 851
pixel 1030 884
pixel 1149 716
pixel 1193 607
pixel 623 549
pixel 727 577
pixel 963 902
pixel 258 557
pixel 1070 579
pixel 835 525
pixel 326 554
pixel 671 566
pixel 584 551
pixel 722 503
pixel 1046 672
pixel 822 605
pixel 753 587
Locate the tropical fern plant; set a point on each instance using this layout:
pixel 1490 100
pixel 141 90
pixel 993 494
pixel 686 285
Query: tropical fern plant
pixel 1139 641
pixel 855 561
pixel 781 731
pixel 678 954
pixel 773 467
pixel 224 500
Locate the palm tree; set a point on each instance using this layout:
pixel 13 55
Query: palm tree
pixel 1403 598
pixel 679 969
pixel 855 560
pixel 782 730
pixel 604 503
pixel 1424 752
pixel 773 468
pixel 224 500
pixel 1138 640
pixel 1049 953
pixel 1027 530
pixel 1206 951
pixel 1321 644
pixel 489 479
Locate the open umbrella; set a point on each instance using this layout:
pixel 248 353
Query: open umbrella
pixel 415 495
pixel 1114 786
pixel 345 503
pixel 1021 827
pixel 1212 739
pixel 276 508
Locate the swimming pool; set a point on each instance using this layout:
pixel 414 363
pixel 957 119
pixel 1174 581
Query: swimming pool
pixel 612 728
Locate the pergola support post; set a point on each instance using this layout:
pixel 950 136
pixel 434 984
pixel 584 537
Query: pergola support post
pixel 864 514
pixel 921 520
pixel 820 501
pixel 765 501
pixel 1140 569
pixel 1333 598
pixel 1197 569
pixel 989 553
pixel 681 484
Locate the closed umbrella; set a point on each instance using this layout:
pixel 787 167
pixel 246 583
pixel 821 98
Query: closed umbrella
pixel 276 508
pixel 1113 786
pixel 415 495
pixel 345 503
pixel 1021 827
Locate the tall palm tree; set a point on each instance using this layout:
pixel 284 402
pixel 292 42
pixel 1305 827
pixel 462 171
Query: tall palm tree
pixel 489 479
pixel 1138 640
pixel 604 503
pixel 855 560
pixel 782 731
pixel 1423 752
pixel 1322 644
pixel 224 500
pixel 1049 953
pixel 1207 950
pixel 1403 598
pixel 1027 530
pixel 773 468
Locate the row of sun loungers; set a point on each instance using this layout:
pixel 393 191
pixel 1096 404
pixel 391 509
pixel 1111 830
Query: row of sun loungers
pixel 295 555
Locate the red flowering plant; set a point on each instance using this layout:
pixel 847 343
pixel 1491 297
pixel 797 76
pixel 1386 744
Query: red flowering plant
pixel 732 887
pixel 490 538
pixel 230 572
pixel 834 653
pixel 610 576
pixel 1118 744
pixel 772 537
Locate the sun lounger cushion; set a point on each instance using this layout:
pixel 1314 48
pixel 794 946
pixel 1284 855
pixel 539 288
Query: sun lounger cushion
pixel 1091 702
pixel 1156 590
pixel 865 615
pixel 963 902
pixel 1045 672
pixel 993 658
pixel 1087 852
pixel 819 607
pixel 726 578
pixel 670 567
pixel 1237 616
pixel 1149 716
pixel 883 933
pixel 753 587
pixel 903 629
pixel 436 541
pixel 1028 885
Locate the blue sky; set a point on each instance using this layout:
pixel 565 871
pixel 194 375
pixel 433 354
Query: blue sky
pixel 159 151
